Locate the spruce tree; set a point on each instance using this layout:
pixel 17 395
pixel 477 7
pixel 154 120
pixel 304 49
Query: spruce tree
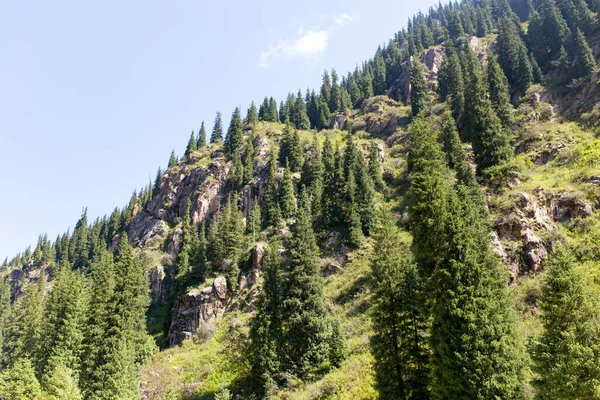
pixel 452 86
pixel 287 197
pixel 400 320
pixel 304 317
pixel 583 58
pixel 235 137
pixel 351 214
pixel 217 132
pixel 263 111
pixel 513 57
pixel 455 153
pixel 291 149
pixel 19 382
pixel 326 88
pixel 201 136
pixel 499 92
pixel 273 110
pixel 254 222
pixel 265 334
pixel 491 142
pixel 236 174
pixel 271 208
pixel 567 354
pixel 249 162
pixel 419 95
pixel 192 145
pixel 333 180
pixel 335 100
pixel 375 167
pixel 251 115
pixel 4 309
pixel 62 384
pixel 379 84
pixel 172 159
pixel 182 261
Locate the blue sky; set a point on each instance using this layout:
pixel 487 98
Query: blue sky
pixel 94 95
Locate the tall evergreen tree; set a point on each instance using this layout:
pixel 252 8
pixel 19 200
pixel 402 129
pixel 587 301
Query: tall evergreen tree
pixel 201 136
pixel 399 317
pixel 265 327
pixel 62 384
pixel 249 161
pixel 567 354
pixel 452 87
pixel 583 58
pixel 304 317
pixel 287 197
pixel 217 132
pixel 271 208
pixel 172 159
pixel 419 95
pixel 513 57
pixel 499 92
pixel 192 145
pixel 375 167
pixel 235 137
pixel 19 382
pixel 379 81
pixel 273 110
pixel 182 262
pixel 251 115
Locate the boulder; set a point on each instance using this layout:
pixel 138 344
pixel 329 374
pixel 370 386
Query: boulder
pixel 337 121
pixel 157 285
pixel 220 286
pixel 534 253
pixel 571 206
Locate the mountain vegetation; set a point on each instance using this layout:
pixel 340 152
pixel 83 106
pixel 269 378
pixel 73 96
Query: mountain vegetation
pixel 423 227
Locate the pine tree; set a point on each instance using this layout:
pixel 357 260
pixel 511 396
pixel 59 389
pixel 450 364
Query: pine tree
pixel 291 149
pixel 249 161
pixel 455 28
pixel 326 88
pixel 192 145
pixel 235 136
pixel 379 81
pixel 375 167
pixel 455 153
pixel 338 348
pixel 287 197
pixel 265 332
pixel 419 95
pixel 335 100
pixel 351 215
pixel 271 208
pixel 217 132
pixel 304 316
pixel 491 142
pixel 333 179
pixel 452 87
pixel 201 137
pixel 79 248
pixel 273 110
pixel 23 330
pixel 399 317
pixel 172 159
pixel 182 262
pixel 583 58
pixel 19 382
pixel 63 326
pixel 263 111
pixel 251 115
pixel 4 310
pixel 498 92
pixel 236 175
pixel 567 354
pixel 253 225
pixel 62 384
pixel 512 56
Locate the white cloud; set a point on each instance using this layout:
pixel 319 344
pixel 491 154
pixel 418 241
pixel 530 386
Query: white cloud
pixel 309 44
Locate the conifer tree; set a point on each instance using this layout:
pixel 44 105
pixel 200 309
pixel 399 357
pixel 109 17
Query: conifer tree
pixel 512 56
pixel 253 225
pixel 583 58
pixel 172 159
pixel 379 81
pixel 352 217
pixel 491 142
pixel 62 384
pixel 333 179
pixel 249 161
pixel 251 115
pixel 375 167
pixel 567 354
pixel 19 382
pixel 265 332
pixel 323 109
pixel 287 197
pixel 335 100
pixel 452 86
pixel 304 318
pixel 236 175
pixel 201 137
pixel 338 348
pixel 63 326
pixel 455 27
pixel 271 208
pixel 217 132
pixel 499 92
pixel 23 330
pixel 263 111
pixel 536 71
pixel 182 262
pixel 326 88
pixel 273 110
pixel 419 96
pixel 455 153
pixel 235 137
pixel 192 145
pixel 291 149
pixel 399 317
pixel 4 310
pixel 79 247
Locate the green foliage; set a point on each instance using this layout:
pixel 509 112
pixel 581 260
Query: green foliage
pixel 19 381
pixel 451 82
pixel 192 145
pixel 399 317
pixel 290 150
pixel 62 384
pixel 172 159
pixel 271 208
pixel 235 137
pixel 567 354
pixel 499 92
pixel 287 197
pixel 254 222
pixel 583 58
pixel 201 137
pixel 513 57
pixel 251 115
pixel 249 161
pixel 217 132
pixel 304 317
pixel 375 167
pixel 419 97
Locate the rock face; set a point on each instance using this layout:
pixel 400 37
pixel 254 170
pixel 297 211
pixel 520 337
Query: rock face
pixel 196 308
pixel 338 121
pixel 158 292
